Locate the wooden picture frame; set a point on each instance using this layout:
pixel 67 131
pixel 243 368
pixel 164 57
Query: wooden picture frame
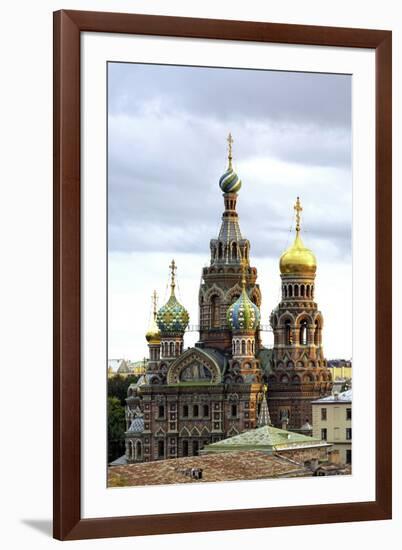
pixel 68 25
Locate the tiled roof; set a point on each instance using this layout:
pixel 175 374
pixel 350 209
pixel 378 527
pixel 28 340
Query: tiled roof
pixel 220 467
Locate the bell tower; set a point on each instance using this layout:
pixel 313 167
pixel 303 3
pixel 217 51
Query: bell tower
pixel 299 368
pixel 220 286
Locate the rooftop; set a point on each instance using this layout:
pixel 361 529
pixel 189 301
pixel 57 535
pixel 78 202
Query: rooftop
pixel 216 467
pixel 345 397
pixel 266 439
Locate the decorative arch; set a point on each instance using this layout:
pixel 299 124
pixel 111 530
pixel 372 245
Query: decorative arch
pixel 197 357
pixel 232 294
pixel 284 379
pixel 214 289
pixel 256 296
pixel 185 432
pixel 296 379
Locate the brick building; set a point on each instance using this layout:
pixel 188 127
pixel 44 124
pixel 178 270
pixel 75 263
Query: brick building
pixel 191 398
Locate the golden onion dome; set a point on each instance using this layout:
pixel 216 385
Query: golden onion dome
pixel 153 335
pixel 297 259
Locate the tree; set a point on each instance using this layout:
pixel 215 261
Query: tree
pixel 115 427
pixel 117 386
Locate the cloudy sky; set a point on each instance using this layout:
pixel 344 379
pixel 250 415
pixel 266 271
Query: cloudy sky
pixel 167 129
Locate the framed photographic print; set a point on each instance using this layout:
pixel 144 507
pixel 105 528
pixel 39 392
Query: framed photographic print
pixel 222 231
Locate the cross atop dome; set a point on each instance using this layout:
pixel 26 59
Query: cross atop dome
pixel 230 143
pixel 298 208
pixel 173 268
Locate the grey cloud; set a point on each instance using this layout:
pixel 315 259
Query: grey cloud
pixel 230 94
pixel 167 150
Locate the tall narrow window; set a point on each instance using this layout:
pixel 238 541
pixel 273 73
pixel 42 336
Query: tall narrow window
pixel 303 332
pixel 185 448
pixel 323 414
pixel 317 334
pixel 215 312
pixel 161 411
pixel 161 449
pixel 234 410
pixel 205 410
pixel 185 411
pixel 288 333
pixel 234 251
pixel 195 410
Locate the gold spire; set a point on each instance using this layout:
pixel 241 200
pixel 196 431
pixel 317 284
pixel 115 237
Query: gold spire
pixel 154 299
pixel 230 143
pixel 173 268
pixel 298 208
pixel 243 266
pixel 297 259
pixel 153 335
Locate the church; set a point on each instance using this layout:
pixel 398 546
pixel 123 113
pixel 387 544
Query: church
pixel 190 398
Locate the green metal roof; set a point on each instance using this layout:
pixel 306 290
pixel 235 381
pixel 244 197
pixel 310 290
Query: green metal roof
pixel 266 438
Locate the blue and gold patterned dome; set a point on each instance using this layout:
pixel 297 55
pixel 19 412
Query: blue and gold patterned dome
pixel 172 318
pixel 243 315
pixel 230 182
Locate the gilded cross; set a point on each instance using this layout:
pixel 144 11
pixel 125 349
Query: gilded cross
pixel 154 301
pixel 298 209
pixel 230 142
pixel 173 268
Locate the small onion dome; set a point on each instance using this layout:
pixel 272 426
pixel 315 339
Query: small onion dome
pixel 297 259
pixel 153 335
pixel 172 317
pixel 243 315
pixel 230 181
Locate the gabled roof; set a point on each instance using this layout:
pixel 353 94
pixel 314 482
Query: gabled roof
pixel 267 438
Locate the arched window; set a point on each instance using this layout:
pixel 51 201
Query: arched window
pixel 302 290
pixel 296 290
pixel 138 450
pixel 237 347
pixel 161 449
pixel 243 347
pixel 185 448
pixel 195 410
pixel 185 411
pixel 288 333
pixel 215 311
pixel 312 291
pixel 285 291
pixel 317 334
pixel 290 291
pixel 220 251
pixel 234 251
pixel 308 291
pixel 205 410
pixel 303 333
pixel 171 348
